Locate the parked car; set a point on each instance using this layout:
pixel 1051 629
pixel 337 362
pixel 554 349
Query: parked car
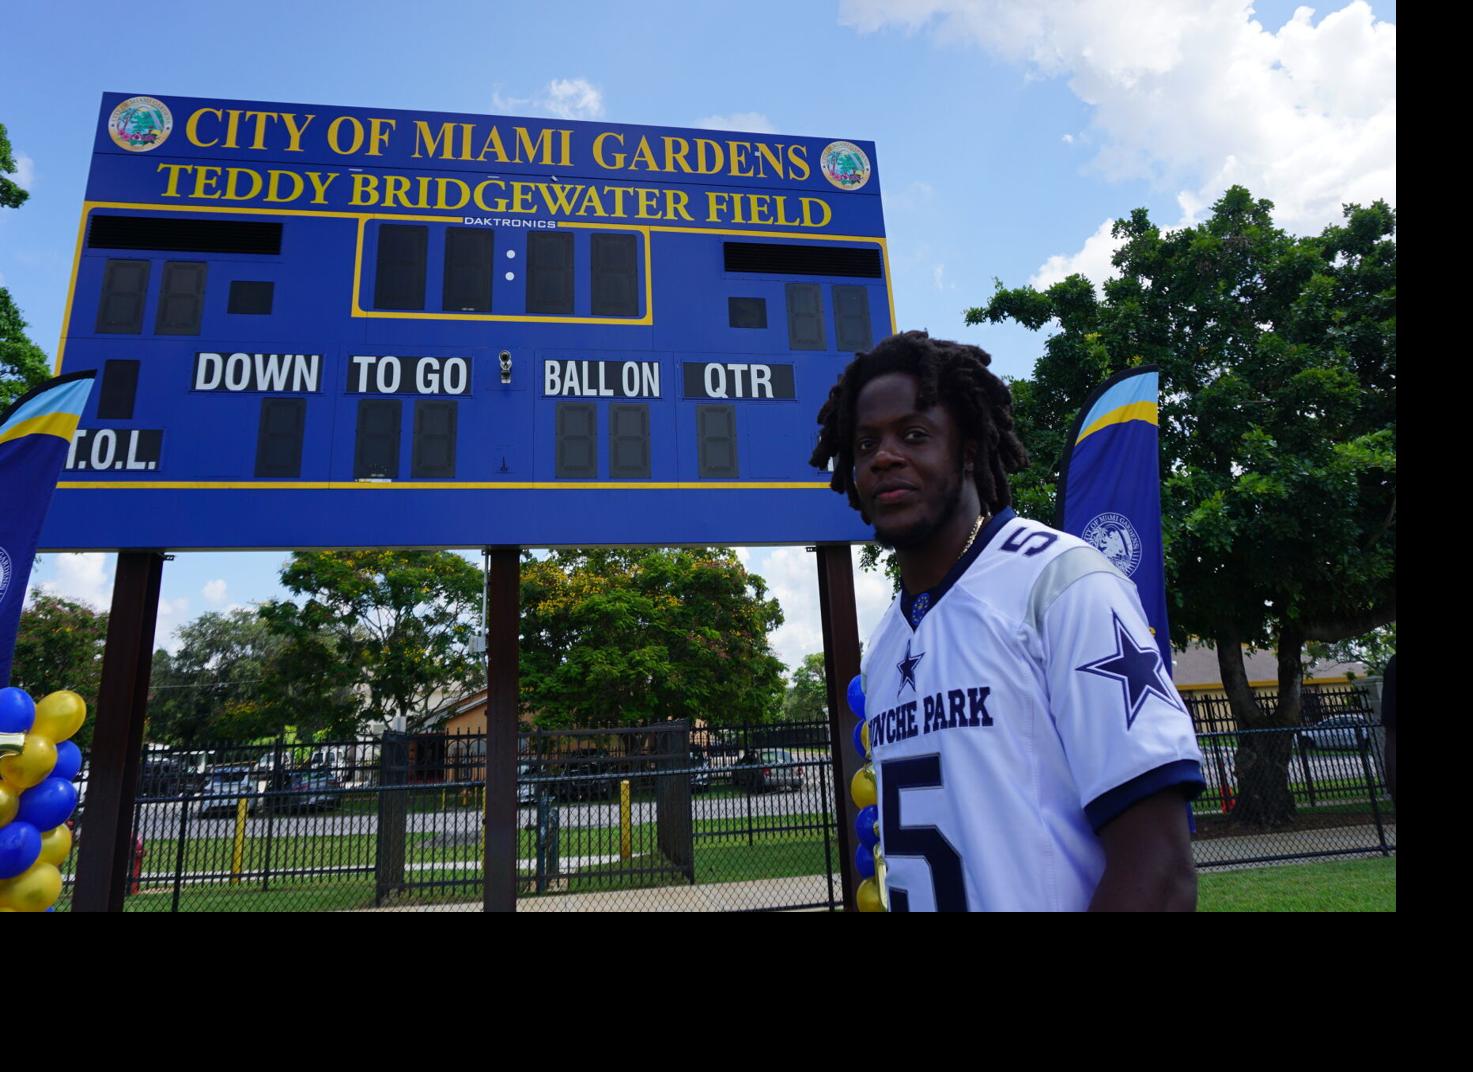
pixel 585 776
pixel 224 786
pixel 1337 731
pixel 268 773
pixel 308 790
pixel 162 776
pixel 761 770
pixel 589 781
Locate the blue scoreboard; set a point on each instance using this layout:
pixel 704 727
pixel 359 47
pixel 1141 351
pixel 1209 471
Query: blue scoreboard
pixel 317 326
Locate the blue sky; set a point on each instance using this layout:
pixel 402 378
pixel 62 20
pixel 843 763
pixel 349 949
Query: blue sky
pixel 1010 133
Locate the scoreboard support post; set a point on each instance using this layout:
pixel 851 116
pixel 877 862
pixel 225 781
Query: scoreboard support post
pixel 117 740
pixel 503 649
pixel 841 663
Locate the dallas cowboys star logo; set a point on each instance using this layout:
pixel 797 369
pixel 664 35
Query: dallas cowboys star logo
pixel 1137 669
pixel 907 668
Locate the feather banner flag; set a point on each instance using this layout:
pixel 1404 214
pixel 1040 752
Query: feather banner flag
pixel 1110 487
pixel 35 437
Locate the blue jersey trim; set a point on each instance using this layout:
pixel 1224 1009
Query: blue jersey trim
pixel 933 596
pixel 1186 773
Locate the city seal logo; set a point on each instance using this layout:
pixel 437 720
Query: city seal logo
pixel 7 571
pixel 844 164
pixel 1115 537
pixel 140 124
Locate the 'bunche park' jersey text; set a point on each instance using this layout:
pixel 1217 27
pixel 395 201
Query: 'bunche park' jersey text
pixel 1014 710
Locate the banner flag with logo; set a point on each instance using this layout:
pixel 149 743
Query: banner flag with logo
pixel 1110 487
pixel 35 435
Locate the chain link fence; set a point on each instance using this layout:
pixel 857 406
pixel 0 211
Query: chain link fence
pixel 661 817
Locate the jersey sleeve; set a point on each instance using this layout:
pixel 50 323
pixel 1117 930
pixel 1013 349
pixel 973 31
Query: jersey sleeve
pixel 1125 731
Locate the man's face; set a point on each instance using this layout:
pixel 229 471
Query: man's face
pixel 908 462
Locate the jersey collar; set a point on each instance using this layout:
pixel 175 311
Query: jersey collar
pixel 913 608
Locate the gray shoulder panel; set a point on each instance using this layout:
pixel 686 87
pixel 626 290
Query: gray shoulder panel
pixel 1059 574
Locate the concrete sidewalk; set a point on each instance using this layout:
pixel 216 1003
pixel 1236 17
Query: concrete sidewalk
pixel 781 893
pixel 1361 839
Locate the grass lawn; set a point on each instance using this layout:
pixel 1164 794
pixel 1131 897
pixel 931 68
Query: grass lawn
pixel 329 850
pixel 1327 886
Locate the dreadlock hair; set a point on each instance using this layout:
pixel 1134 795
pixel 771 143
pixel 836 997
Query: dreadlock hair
pixel 951 372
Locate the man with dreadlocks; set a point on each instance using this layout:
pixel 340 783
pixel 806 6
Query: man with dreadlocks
pixel 1031 754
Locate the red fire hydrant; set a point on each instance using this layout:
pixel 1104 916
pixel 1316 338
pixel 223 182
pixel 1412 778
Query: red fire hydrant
pixel 138 855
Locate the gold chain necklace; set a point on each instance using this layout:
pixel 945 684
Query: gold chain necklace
pixel 976 528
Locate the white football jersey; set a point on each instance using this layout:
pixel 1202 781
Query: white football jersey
pixel 1026 709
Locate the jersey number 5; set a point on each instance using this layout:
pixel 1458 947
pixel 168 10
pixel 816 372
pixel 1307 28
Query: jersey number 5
pixel 927 842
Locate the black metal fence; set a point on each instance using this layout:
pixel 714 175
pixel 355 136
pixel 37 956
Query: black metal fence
pixel 1211 712
pixel 659 817
pixel 1293 794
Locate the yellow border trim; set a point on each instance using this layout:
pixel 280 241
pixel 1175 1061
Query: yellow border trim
pixel 71 290
pixel 394 485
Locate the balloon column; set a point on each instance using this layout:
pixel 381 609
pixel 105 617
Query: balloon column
pixel 37 765
pixel 867 857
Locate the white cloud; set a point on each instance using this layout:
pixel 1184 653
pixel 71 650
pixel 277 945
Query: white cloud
pixel 172 614
pixel 791 574
pixel 562 98
pixel 792 578
pixel 1068 139
pixel 214 592
pixel 1091 261
pixel 86 578
pixel 938 276
pixel 749 122
pixel 25 172
pixel 1196 94
pixel 574 98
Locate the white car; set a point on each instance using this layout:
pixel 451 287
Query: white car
pixel 224 787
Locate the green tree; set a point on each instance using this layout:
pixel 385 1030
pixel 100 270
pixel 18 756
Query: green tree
pixel 640 635
pixel 233 679
pixel 1278 432
pixel 1374 649
pixel 396 624
pixel 59 646
pixel 11 195
pixel 23 364
pixel 807 698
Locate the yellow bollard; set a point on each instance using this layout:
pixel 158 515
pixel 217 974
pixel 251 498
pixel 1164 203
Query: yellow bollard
pixel 626 838
pixel 237 858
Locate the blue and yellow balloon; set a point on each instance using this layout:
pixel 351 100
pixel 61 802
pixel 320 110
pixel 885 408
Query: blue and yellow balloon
pixel 869 861
pixel 37 765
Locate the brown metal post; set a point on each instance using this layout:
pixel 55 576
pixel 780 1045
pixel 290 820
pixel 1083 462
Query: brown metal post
pixel 841 663
pixel 503 614
pixel 117 739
